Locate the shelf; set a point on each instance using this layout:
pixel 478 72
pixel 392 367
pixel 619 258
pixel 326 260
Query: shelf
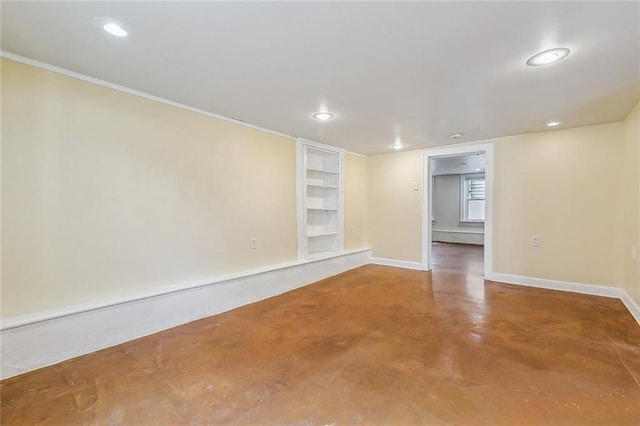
pixel 320 207
pixel 309 169
pixel 324 234
pixel 315 185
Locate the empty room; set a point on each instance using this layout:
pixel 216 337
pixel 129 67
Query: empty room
pixel 320 213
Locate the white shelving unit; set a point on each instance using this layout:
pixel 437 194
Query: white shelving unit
pixel 320 213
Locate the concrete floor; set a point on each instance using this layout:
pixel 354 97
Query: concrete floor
pixel 376 345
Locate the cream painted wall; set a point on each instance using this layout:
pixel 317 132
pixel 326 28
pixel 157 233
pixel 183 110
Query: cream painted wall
pixel 632 203
pixel 564 186
pixel 108 194
pixel 394 208
pixel 355 196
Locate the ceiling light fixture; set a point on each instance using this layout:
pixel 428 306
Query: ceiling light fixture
pixel 548 56
pixel 553 123
pixel 323 116
pixel 455 136
pixel 397 144
pixel 115 29
pixel 112 26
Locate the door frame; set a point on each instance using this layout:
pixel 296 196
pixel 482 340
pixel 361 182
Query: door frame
pixel 453 151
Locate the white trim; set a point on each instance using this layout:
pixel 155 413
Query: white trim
pixel 451 151
pixel 341 161
pixel 457 238
pixel 454 231
pixel 631 305
pixel 397 263
pixel 89 79
pixel 301 194
pixel 591 289
pixel 48 339
pixel 320 145
pixel 22 320
pixel 114 86
pixel 356 154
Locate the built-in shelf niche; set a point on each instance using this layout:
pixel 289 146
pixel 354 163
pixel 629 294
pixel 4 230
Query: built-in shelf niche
pixel 320 212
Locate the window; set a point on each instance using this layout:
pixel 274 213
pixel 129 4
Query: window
pixel 472 198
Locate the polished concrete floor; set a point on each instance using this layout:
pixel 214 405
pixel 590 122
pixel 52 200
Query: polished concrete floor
pixel 375 345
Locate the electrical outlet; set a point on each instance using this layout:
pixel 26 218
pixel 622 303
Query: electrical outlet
pixel 634 252
pixel 535 241
pixel 253 243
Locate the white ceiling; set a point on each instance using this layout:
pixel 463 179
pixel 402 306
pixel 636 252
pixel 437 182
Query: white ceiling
pixel 416 70
pixel 459 164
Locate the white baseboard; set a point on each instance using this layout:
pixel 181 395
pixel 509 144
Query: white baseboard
pixel 595 290
pixel 458 237
pixel 33 341
pixel 631 305
pixel 458 231
pixel 397 263
pixel 591 289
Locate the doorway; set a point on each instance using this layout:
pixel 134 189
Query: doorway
pixel 439 156
pixel 457 258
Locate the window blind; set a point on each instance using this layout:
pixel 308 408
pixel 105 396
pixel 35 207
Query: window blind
pixel 475 188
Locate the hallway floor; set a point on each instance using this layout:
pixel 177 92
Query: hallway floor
pixel 376 345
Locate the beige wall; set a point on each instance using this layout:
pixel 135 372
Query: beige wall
pixel 632 203
pixel 564 186
pixel 394 208
pixel 355 197
pixel 108 194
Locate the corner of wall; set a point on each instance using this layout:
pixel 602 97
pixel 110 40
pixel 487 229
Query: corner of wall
pixel 631 208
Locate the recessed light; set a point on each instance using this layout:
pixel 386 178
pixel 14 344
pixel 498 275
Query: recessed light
pixel 323 116
pixel 397 144
pixel 548 56
pixel 478 170
pixel 553 123
pixel 455 136
pixel 115 29
pixel 112 26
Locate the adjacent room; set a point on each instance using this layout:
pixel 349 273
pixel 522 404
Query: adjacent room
pixel 320 213
pixel 457 212
pixel 458 199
